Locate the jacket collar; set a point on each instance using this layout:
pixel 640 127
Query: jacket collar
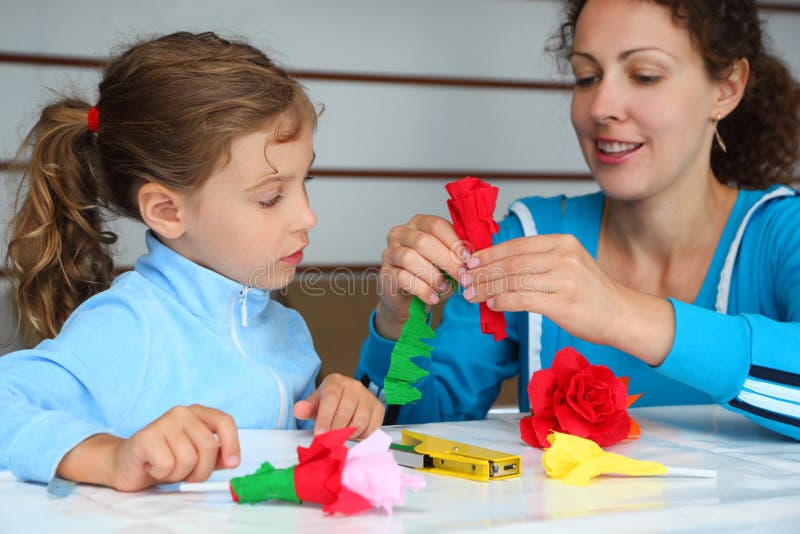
pixel 203 292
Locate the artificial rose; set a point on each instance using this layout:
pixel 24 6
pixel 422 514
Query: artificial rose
pixel 372 473
pixel 316 478
pixel 345 481
pixel 471 207
pixel 578 398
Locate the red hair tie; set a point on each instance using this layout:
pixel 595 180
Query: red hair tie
pixel 93 120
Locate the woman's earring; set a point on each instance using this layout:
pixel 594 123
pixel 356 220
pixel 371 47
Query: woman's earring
pixel 718 137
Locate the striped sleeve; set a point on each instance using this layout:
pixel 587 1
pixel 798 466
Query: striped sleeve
pixel 750 362
pixel 770 394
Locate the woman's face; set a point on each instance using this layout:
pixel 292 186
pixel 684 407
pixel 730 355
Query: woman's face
pixel 642 99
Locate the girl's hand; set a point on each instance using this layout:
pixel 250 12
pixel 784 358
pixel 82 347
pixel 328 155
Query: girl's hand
pixel 412 264
pixel 555 276
pixel 186 443
pixel 339 402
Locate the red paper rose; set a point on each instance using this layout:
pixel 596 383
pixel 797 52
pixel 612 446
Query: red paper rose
pixel 471 207
pixel 578 398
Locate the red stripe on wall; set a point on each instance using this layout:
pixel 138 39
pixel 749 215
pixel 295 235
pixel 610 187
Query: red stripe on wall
pixel 443 174
pixel 356 77
pixel 302 270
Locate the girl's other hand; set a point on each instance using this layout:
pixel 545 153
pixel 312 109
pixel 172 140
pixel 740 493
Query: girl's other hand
pixel 339 402
pixel 186 443
pixel 412 263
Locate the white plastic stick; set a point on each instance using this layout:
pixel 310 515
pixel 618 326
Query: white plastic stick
pixel 690 472
pixel 204 486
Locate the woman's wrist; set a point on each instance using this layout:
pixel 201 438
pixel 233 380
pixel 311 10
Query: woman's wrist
pixel 645 328
pixel 387 325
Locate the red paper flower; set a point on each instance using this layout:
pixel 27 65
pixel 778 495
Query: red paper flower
pixel 346 481
pixel 318 476
pixel 471 207
pixel 578 398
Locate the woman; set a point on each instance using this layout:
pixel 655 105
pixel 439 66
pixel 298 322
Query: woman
pixel 683 273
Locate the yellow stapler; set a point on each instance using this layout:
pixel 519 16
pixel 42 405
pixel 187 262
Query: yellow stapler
pixel 445 457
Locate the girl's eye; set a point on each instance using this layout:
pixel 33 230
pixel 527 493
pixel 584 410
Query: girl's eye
pixel 309 178
pixel 269 203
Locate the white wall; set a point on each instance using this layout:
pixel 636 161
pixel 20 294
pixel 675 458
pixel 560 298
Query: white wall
pixel 365 125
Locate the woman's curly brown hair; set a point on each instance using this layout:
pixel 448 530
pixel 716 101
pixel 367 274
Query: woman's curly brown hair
pixel 763 133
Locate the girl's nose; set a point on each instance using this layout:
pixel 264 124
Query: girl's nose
pixel 307 217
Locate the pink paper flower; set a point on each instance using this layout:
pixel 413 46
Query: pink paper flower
pixel 372 472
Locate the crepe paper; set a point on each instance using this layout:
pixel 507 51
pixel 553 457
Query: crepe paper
pixel 344 481
pixel 471 207
pixel 578 398
pixel 372 472
pixel 575 461
pixel 635 431
pixel 403 372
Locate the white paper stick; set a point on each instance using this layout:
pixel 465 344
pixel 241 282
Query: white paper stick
pixel 204 486
pixel 690 472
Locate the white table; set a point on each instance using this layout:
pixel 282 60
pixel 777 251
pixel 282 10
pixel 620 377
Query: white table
pixel 758 489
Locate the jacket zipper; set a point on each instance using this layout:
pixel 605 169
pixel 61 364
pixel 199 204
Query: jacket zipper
pixel 242 297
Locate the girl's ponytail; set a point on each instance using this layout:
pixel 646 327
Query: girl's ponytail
pixel 58 252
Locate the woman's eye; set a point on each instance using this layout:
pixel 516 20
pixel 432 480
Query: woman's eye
pixel 646 79
pixel 309 178
pixel 585 81
pixel 269 203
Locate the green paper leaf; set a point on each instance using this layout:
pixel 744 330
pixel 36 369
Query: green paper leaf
pixel 403 372
pixel 400 392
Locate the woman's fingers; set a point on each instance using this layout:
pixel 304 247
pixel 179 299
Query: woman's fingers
pixel 424 258
pixel 536 244
pixel 396 280
pixel 527 275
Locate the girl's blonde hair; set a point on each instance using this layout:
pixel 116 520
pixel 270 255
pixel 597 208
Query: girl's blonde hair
pixel 169 109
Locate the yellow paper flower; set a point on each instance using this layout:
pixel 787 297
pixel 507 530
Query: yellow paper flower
pixel 575 460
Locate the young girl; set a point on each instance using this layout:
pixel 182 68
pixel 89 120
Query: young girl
pixel 683 273
pixel 208 143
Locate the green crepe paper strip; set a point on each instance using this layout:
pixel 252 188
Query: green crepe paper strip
pixel 403 372
pixel 267 483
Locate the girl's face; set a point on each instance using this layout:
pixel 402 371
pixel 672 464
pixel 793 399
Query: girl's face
pixel 642 99
pixel 250 220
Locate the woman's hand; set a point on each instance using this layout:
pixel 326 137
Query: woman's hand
pixel 339 402
pixel 555 276
pixel 412 263
pixel 186 443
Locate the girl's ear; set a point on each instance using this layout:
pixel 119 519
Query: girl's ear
pixel 731 89
pixel 163 210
